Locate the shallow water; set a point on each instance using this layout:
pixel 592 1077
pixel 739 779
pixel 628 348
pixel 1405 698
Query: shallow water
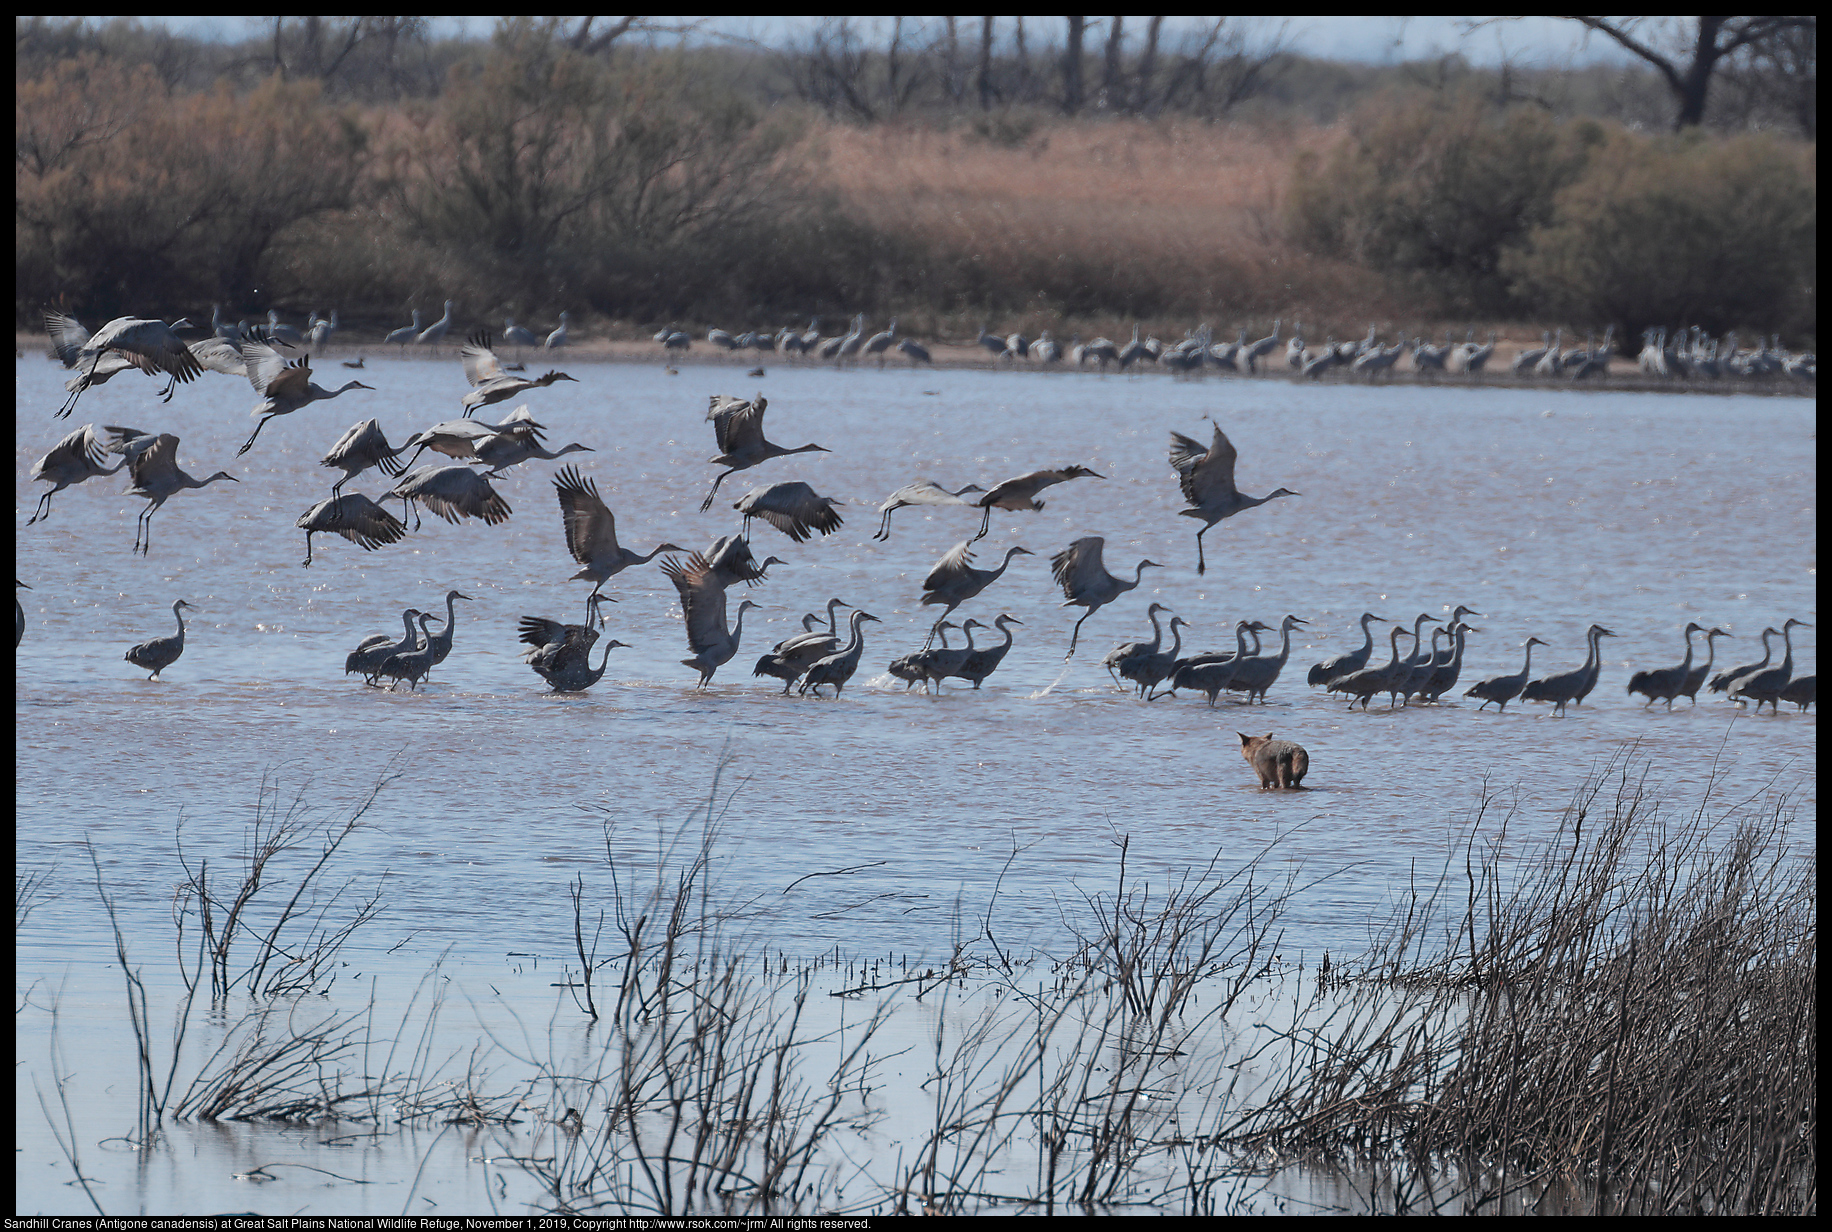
pixel 1545 510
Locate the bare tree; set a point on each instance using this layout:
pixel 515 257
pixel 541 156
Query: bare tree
pixel 1217 69
pixel 1687 57
pixel 985 66
pixel 1071 66
pixel 830 70
pixel 1777 78
pixel 1113 81
pixel 1148 66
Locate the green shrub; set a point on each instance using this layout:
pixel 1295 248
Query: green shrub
pixel 1679 231
pixel 1434 193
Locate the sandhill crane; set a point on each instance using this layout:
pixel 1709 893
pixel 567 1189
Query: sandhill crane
pixel 837 668
pixel 1133 351
pixel 1257 351
pixel 1149 670
pixel 881 342
pixel 954 580
pixel 412 663
pixel 1352 661
pixel 1212 673
pixel 591 531
pixel 278 331
pixel 995 346
pixel 319 336
pixel 67 339
pixel 160 653
pixel 1666 683
pixel 738 429
pixel 1444 676
pixel 985 660
pixel 434 334
pixel 1803 691
pixel 152 463
pixel 1046 349
pixel 518 335
pixel 284 387
pixel 793 508
pixel 1020 491
pixel 77 457
pixel 1766 685
pixel 442 640
pixel 730 561
pixel 405 334
pixel 223 328
pixel 1553 361
pixel 1564 688
pixel 355 517
pixel 1422 663
pixel 1697 675
pixel 918 353
pixel 1722 680
pixel 219 356
pixel 1428 358
pixel 558 338
pixel 1018 346
pixel 149 345
pixel 455 438
pixel 362 446
pixel 811 338
pixel 1258 673
pixel 378 648
pixel 518 438
pixel 854 339
pixel 722 339
pixel 919 666
pixel 1207 480
pixel 1504 689
pixel 560 653
pixel 1476 357
pixel 703 612
pixel 452 492
pixel 793 656
pixel 1227 355
pixel 1315 366
pixel 1294 349
pixel 922 492
pixel 1525 360
pixel 1085 581
pixel 1364 684
pixel 489 383
pixel 1128 650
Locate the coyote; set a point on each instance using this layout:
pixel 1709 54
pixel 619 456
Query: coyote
pixel 1279 763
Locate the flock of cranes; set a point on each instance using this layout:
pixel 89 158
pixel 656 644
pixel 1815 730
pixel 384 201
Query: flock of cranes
pixel 1683 354
pixel 561 653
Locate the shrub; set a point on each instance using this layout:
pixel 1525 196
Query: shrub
pixel 1434 193
pixel 1685 230
pixel 131 199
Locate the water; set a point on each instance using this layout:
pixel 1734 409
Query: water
pixel 1544 510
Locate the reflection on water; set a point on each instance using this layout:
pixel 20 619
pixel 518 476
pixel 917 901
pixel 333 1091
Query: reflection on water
pixel 1544 510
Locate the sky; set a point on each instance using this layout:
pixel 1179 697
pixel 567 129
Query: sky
pixel 1529 40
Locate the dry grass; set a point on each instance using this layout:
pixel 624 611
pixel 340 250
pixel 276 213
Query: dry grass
pixel 1166 222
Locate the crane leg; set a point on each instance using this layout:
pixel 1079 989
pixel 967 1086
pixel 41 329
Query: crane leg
pixel 249 444
pixel 1201 564
pixel 707 503
pixel 1076 635
pixel 307 562
pixel 985 522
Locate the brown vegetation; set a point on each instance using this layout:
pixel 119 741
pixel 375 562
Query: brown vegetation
pixel 644 188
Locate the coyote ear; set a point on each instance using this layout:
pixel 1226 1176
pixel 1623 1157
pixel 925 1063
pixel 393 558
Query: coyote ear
pixel 1268 735
pixel 1244 737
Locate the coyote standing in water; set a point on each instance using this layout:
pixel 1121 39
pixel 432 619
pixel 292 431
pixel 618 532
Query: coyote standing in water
pixel 1279 763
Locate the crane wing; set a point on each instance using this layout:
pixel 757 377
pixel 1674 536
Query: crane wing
pixel 591 527
pixel 1079 564
pixel 480 363
pixel 1207 475
pixel 954 564
pixel 702 602
pixel 67 337
pixel 737 424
